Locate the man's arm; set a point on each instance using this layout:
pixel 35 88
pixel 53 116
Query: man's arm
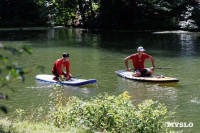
pixel 67 69
pixel 152 61
pixel 59 69
pixel 126 62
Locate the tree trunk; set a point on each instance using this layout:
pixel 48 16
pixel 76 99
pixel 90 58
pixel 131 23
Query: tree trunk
pixel 80 3
pixel 91 9
pixel 134 10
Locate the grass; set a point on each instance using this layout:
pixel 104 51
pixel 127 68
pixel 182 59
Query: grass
pixel 7 126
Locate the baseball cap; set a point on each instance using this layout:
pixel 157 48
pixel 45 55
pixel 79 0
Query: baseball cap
pixel 65 55
pixel 140 48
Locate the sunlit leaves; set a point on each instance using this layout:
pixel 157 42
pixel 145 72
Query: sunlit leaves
pixel 4 59
pixel 27 49
pixel 110 114
pixel 188 22
pixel 15 71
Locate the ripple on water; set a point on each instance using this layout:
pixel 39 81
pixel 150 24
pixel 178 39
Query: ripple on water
pixel 195 100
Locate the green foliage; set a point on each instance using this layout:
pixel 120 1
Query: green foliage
pixel 196 15
pixel 61 11
pixel 150 116
pixel 100 114
pixel 20 13
pixel 27 49
pixel 107 14
pixel 11 71
pixel 187 21
pixel 4 59
pixel 110 114
pixel 10 126
pixel 144 14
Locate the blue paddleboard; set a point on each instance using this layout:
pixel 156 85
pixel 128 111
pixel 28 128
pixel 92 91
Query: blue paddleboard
pixel 72 81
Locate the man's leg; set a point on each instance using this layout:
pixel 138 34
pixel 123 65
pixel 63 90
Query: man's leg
pixel 149 72
pixel 56 75
pixel 136 73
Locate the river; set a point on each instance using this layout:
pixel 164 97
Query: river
pixel 97 54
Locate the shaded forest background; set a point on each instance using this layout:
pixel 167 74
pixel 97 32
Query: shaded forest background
pixel 102 14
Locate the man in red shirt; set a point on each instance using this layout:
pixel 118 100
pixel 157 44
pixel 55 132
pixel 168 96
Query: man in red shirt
pixel 59 65
pixel 138 63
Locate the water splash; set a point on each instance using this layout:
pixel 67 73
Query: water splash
pixel 195 100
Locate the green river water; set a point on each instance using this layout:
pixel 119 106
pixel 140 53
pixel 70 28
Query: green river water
pixel 97 54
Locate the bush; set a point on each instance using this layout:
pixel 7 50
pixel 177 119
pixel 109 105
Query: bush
pixel 111 114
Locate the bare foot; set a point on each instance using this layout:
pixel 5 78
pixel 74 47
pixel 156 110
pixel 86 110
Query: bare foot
pixel 135 75
pixel 55 78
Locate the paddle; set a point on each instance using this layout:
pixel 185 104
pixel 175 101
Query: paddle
pixel 156 68
pixel 76 76
pixel 62 78
pixel 150 68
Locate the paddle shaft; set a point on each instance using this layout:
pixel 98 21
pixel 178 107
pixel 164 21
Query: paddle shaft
pixel 69 79
pixel 76 76
pixel 156 68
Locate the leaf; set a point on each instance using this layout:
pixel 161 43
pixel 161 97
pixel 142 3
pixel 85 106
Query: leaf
pixel 27 49
pixel 41 68
pixel 3 58
pixel 13 50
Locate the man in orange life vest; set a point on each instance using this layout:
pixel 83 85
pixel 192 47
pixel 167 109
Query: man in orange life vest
pixel 138 63
pixel 59 65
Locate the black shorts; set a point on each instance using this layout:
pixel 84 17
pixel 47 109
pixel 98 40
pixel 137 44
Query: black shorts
pixel 142 71
pixel 56 74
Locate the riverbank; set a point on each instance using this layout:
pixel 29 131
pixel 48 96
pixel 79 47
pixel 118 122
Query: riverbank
pixel 33 127
pixel 102 114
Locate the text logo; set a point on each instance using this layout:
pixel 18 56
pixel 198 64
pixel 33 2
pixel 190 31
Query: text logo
pixel 179 124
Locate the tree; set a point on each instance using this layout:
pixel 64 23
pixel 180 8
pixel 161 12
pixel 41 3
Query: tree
pixel 143 14
pixel 106 14
pixel 20 13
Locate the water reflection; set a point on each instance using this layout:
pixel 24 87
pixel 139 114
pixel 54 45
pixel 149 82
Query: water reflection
pixel 51 33
pixel 181 43
pixel 187 46
pixel 140 91
pixel 83 91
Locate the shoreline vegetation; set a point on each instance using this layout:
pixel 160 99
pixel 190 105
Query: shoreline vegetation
pixel 180 31
pixel 103 14
pixel 100 114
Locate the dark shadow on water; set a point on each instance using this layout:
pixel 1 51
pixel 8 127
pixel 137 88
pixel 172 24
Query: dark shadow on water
pixel 171 44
